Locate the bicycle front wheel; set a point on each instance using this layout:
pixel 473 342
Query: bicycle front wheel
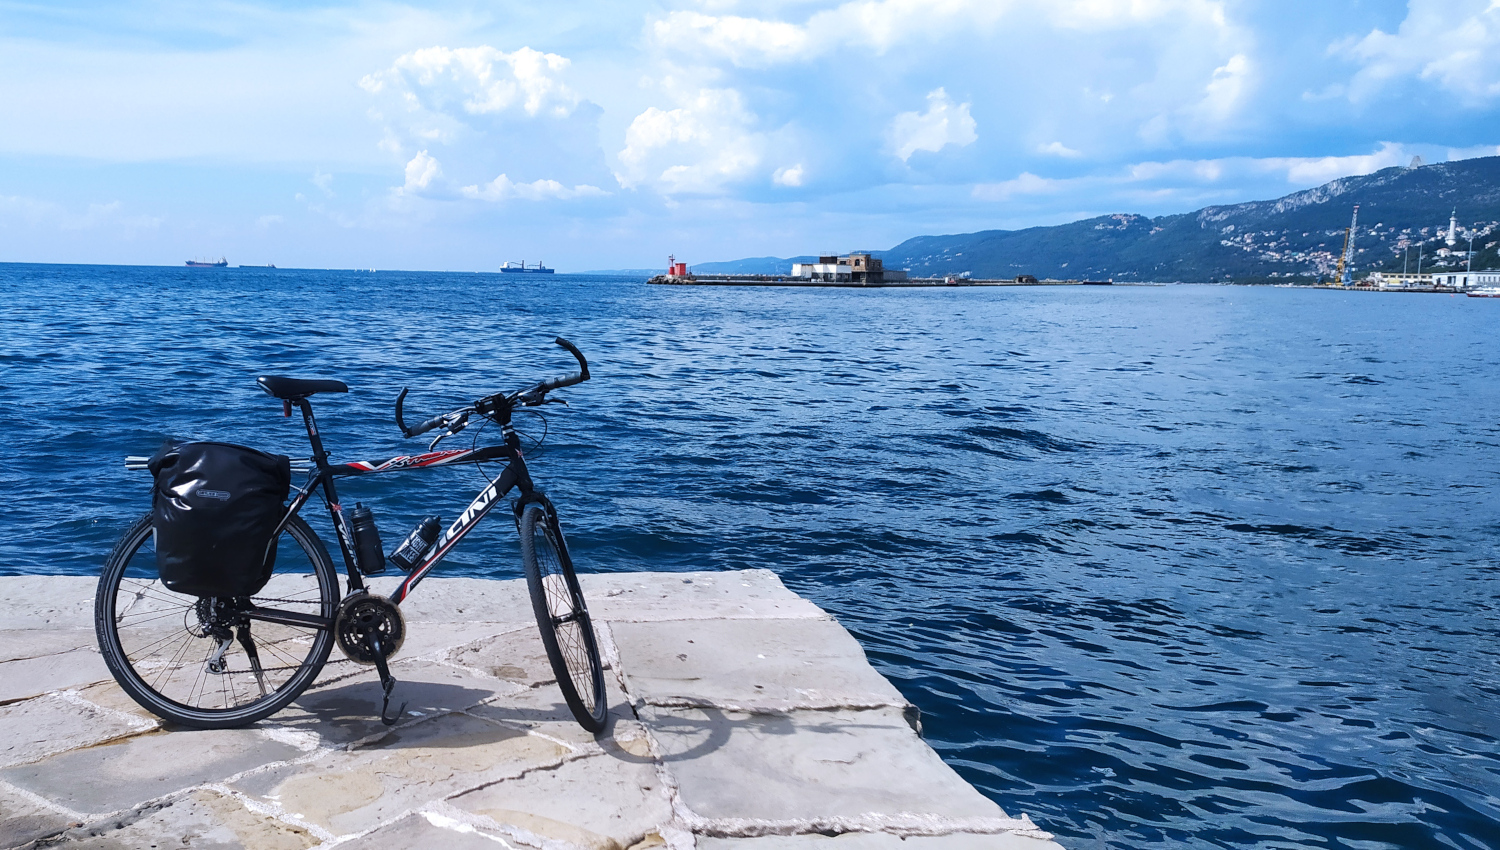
pixel 214 663
pixel 567 632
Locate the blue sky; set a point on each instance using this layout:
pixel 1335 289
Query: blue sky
pixel 607 135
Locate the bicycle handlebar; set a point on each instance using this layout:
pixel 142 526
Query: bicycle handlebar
pixel 531 395
pixel 566 380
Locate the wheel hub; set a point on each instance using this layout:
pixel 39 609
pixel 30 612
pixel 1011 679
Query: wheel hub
pixel 363 616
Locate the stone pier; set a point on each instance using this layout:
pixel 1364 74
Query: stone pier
pixel 743 718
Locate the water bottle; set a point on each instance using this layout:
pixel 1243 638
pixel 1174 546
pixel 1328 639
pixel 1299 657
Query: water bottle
pixel 368 552
pixel 415 546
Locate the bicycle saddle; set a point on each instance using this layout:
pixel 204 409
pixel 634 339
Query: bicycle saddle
pixel 292 388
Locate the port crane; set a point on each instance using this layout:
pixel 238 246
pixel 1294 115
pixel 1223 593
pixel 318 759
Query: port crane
pixel 1345 272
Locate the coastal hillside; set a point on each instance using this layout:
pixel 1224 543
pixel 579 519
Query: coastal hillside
pixel 1299 236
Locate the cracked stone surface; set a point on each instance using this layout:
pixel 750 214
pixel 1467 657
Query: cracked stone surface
pixel 30 677
pixel 879 841
pixel 57 723
pixel 603 802
pixel 23 820
pixel 800 664
pixel 423 830
pixel 741 717
pixel 201 819
pixel 351 791
pixel 807 765
pixel 145 767
pixel 16 644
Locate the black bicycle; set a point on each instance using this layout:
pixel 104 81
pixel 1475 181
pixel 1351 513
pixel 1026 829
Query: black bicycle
pixel 211 662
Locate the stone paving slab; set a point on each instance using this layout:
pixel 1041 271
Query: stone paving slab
pixel 56 723
pixel 424 830
pixel 601 802
pixel 346 792
pixel 487 755
pixel 146 767
pixel 740 663
pixel 201 819
pixel 24 820
pixel 49 602
pixel 881 841
pixel 516 656
pixel 645 597
pixel 17 644
pixel 462 600
pixel 32 677
pixel 339 712
pixel 807 766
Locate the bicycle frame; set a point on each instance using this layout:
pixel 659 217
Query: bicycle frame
pixel 514 476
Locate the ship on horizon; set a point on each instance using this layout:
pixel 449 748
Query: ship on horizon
pixel 208 264
pixel 521 268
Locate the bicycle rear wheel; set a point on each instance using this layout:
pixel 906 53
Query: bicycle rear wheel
pixel 211 663
pixel 567 632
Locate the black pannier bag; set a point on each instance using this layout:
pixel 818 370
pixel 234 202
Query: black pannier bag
pixel 215 506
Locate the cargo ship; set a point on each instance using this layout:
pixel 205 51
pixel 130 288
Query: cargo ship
pixel 521 268
pixel 205 264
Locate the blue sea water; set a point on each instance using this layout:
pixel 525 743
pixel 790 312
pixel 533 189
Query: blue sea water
pixel 1181 566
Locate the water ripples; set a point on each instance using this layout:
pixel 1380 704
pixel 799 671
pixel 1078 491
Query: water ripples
pixel 1185 566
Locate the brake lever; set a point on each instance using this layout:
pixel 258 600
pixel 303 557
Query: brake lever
pixel 458 424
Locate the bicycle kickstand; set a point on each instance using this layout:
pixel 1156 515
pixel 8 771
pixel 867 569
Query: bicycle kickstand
pixel 387 681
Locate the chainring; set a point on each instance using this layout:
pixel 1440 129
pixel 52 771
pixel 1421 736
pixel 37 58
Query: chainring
pixel 363 614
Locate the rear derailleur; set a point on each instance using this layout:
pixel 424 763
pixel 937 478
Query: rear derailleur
pixel 220 619
pixel 369 629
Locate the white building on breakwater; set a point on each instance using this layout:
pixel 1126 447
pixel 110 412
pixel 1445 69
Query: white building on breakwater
pixel 855 268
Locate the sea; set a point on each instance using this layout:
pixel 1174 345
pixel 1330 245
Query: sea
pixel 1162 566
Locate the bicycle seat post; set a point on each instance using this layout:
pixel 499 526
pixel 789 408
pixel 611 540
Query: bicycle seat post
pixel 320 457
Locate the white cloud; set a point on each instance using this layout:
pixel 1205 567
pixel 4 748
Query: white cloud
pixel 1190 179
pixel 944 123
pixel 744 41
pixel 480 80
pixel 1058 149
pixel 1321 169
pixel 1454 44
pixel 791 175
pixel 1227 88
pixel 879 25
pixel 324 182
pixel 1473 152
pixel 482 112
pixel 503 188
pixel 1025 184
pixel 702 146
pixel 1295 170
pixel 420 173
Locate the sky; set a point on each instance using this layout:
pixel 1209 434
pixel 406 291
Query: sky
pixel 603 135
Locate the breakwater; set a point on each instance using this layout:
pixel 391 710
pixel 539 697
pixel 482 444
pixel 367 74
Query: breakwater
pixel 905 283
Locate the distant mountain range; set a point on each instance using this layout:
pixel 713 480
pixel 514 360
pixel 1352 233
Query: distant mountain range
pixel 1402 212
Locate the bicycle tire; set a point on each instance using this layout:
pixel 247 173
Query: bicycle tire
pixel 563 617
pixel 155 643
